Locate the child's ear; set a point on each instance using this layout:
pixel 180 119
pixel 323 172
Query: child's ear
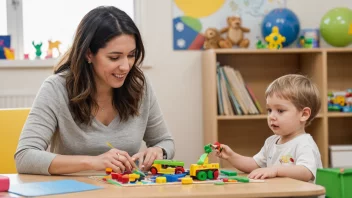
pixel 305 114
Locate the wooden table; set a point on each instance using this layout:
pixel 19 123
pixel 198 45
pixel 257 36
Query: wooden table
pixel 277 187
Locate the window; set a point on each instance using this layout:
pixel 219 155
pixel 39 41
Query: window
pixel 3 18
pixel 44 20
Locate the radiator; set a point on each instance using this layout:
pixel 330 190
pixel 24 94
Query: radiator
pixel 16 100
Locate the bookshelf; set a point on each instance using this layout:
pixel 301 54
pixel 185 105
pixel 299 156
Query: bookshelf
pixel 330 69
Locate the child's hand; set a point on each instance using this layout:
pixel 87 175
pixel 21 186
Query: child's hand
pixel 225 153
pixel 262 173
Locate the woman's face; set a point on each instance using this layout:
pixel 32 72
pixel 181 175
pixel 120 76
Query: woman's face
pixel 112 63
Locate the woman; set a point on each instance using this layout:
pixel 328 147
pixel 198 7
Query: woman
pixel 98 94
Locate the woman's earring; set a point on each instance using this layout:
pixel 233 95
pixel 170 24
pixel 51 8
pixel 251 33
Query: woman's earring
pixel 89 62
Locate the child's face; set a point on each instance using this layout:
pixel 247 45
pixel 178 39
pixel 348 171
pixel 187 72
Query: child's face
pixel 283 117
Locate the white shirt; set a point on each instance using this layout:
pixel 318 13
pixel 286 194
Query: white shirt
pixel 302 150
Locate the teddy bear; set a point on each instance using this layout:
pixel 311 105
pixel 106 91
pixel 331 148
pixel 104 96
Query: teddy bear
pixel 235 32
pixel 214 40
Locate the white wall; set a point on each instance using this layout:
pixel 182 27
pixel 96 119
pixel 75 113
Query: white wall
pixel 176 75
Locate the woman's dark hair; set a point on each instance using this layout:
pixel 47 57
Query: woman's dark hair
pixel 97 28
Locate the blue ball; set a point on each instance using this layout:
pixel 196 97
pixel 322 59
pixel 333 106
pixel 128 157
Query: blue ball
pixel 285 20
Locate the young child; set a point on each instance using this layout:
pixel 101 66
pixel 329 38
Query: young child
pixel 292 102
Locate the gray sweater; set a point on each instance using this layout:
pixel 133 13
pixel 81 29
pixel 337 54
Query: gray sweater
pixel 50 122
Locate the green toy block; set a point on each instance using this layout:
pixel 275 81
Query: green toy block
pixel 228 172
pixel 240 179
pixel 202 158
pixel 207 148
pixel 337 182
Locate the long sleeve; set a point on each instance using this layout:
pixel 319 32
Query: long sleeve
pixel 157 133
pixel 31 156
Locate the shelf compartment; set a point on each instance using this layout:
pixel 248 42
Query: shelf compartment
pixel 338 114
pixel 339 71
pixel 340 130
pixel 259 70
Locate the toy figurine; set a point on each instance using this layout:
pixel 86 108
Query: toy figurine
pixel 261 45
pixel 275 39
pixel 38 51
pixel 51 46
pixel 9 53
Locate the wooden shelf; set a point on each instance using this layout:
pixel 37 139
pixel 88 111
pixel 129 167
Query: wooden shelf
pixel 242 117
pixel 339 115
pixel 14 64
pixel 252 117
pixel 329 68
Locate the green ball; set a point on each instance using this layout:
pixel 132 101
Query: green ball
pixel 335 26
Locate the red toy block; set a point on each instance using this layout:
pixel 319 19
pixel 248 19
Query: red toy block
pixel 4 183
pixel 115 175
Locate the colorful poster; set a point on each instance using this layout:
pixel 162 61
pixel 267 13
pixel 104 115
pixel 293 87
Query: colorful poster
pixel 5 41
pixel 192 17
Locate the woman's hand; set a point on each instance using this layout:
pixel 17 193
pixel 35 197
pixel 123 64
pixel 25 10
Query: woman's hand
pixel 116 159
pixel 146 158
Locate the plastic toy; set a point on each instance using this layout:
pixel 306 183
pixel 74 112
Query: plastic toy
pixel 172 172
pixel 286 21
pixel 340 101
pixel 187 180
pixel 261 45
pixel 335 27
pixel 167 167
pixel 275 39
pixel 9 53
pixel 4 183
pixel 309 38
pixel 51 47
pixel 160 180
pixel 337 182
pixel 203 170
pixel 38 51
pixel 228 173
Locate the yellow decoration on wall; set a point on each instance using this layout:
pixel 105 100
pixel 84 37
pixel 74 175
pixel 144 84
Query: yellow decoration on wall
pixel 199 8
pixel 350 30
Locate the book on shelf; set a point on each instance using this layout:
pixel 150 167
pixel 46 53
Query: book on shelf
pixel 234 96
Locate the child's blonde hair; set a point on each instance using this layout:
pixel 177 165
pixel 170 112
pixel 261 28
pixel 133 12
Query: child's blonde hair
pixel 298 89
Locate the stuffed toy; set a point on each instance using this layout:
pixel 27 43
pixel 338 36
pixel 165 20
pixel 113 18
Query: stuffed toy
pixel 235 32
pixel 213 40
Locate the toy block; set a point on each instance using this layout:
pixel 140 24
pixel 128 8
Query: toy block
pixel 228 173
pixel 174 178
pixel 115 175
pixel 108 171
pixel 110 181
pixel 203 159
pixel 105 178
pixel 187 180
pixel 4 183
pixel 240 179
pixel 160 180
pixel 124 179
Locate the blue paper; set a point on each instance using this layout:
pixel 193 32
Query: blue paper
pixel 50 188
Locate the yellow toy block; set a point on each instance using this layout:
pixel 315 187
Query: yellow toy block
pixel 187 180
pixel 160 180
pixel 133 177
